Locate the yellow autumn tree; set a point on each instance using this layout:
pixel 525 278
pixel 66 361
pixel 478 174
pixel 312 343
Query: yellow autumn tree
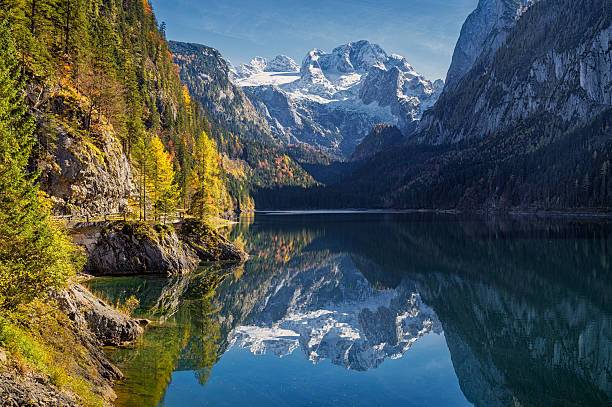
pixel 209 196
pixel 162 189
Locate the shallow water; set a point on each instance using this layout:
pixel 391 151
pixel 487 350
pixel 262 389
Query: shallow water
pixel 367 309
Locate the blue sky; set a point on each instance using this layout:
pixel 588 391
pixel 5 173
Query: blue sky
pixel 424 31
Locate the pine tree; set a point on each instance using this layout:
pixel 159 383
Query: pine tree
pixel 34 255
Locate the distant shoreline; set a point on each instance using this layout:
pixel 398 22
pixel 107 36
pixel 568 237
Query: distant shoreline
pixel 514 213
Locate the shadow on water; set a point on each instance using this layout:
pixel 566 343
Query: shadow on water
pixel 525 305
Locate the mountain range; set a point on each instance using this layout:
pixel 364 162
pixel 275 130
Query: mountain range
pixel 522 122
pixel 330 103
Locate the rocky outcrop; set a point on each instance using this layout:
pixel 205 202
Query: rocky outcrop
pixel 85 175
pixel 123 248
pixel 109 326
pixel 137 248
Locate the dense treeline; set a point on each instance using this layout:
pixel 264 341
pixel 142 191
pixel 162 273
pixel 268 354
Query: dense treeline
pixel 34 255
pixel 539 165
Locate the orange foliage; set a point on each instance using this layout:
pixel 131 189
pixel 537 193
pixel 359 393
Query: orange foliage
pixel 147 7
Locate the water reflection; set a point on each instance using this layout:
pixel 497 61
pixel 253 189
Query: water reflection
pixel 524 306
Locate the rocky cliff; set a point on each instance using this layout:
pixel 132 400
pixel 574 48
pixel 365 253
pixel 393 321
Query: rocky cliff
pixel 529 69
pixel 84 172
pixel 482 34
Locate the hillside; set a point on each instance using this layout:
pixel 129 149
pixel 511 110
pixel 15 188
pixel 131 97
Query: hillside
pixel 101 83
pixel 252 158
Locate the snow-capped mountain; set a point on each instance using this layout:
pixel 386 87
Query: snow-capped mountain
pixel 335 98
pixel 330 311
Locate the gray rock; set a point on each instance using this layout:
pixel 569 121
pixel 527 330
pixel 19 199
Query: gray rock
pixel 109 326
pixel 87 178
pixel 30 390
pixel 137 248
pixel 482 34
pixel 123 248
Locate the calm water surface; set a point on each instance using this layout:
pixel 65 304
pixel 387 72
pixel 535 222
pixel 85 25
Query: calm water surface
pixel 381 310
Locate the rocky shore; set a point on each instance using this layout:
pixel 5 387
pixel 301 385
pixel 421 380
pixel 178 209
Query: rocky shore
pixel 137 248
pixel 85 325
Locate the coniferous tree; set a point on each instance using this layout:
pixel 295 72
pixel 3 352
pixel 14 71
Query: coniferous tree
pixel 34 255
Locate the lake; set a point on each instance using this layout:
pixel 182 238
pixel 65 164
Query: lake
pixel 380 309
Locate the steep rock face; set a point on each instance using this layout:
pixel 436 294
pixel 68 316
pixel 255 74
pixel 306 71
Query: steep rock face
pixel 537 70
pixel 339 96
pixel 207 75
pixel 482 34
pixel 87 176
pixel 381 138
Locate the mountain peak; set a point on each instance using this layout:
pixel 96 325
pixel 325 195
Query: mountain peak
pixel 282 63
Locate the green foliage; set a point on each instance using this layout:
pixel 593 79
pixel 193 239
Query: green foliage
pixel 34 254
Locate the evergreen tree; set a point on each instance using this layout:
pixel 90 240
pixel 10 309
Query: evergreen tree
pixel 34 255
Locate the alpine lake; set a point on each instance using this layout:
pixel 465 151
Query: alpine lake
pixel 380 309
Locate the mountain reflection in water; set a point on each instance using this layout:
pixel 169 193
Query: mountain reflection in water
pixel 524 307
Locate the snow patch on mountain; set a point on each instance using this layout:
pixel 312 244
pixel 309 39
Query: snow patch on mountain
pixel 336 98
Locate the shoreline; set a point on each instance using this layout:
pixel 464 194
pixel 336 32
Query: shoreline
pixel 514 213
